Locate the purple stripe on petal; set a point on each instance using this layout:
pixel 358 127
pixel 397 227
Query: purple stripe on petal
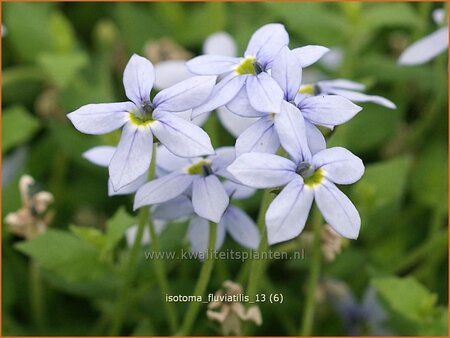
pixel 287 214
pixel 337 210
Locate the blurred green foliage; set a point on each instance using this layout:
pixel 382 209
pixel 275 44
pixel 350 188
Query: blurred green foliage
pixel 59 56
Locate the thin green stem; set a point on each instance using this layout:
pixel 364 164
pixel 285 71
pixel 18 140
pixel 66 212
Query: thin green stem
pixel 202 283
pixel 161 276
pixel 130 268
pixel 36 296
pixel 308 314
pixel 257 266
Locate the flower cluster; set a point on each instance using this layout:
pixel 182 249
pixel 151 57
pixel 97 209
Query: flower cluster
pixel 271 112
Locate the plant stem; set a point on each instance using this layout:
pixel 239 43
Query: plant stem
pixel 202 282
pixel 36 296
pixel 308 314
pixel 162 278
pixel 130 269
pixel 257 266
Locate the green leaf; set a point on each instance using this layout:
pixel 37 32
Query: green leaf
pixel 18 127
pixel 376 16
pixel 65 255
pixel 356 136
pixel 90 235
pixel 429 177
pixel 22 84
pixel 116 227
pixel 62 68
pixel 28 28
pixel 406 297
pixel 62 33
pixel 316 22
pixel 383 183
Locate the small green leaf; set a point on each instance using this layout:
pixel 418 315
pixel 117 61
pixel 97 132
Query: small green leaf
pixel 90 235
pixel 406 297
pixel 383 183
pixel 116 227
pixel 62 68
pixel 18 127
pixel 65 255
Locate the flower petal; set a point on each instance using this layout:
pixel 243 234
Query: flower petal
pixel 162 189
pixel 212 64
pixel 133 155
pixel 174 209
pixel 264 94
pixel 181 137
pixel 339 164
pixel 209 198
pixel 316 140
pixel 240 105
pixel 291 130
pixel 169 162
pixel 233 123
pixel 340 84
pixel 328 110
pixel 185 95
pixel 260 137
pixel 198 234
pixel 310 54
pixel 241 227
pixel 170 72
pixel 266 42
pixel 287 214
pixel 361 97
pixel 222 93
pixel 101 118
pixel 222 159
pixel 287 72
pixel 220 43
pixel 238 191
pixel 129 188
pixel 138 79
pixel 100 156
pixel 426 48
pixel 337 210
pixel 260 170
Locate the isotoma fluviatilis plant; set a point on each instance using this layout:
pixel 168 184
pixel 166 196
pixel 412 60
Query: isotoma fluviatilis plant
pixel 277 120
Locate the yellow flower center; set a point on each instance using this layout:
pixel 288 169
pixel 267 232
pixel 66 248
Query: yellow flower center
pixel 140 121
pixel 246 66
pixel 202 168
pixel 314 179
pixel 306 89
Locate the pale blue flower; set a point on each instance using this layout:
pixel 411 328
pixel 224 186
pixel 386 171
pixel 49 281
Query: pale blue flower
pixel 198 176
pixel 305 177
pixel 280 126
pixel 429 46
pixel 142 119
pixel 170 72
pixel 247 74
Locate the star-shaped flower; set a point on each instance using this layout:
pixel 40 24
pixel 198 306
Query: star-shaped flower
pixel 305 177
pixel 282 125
pixel 198 175
pixel 142 119
pixel 247 74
